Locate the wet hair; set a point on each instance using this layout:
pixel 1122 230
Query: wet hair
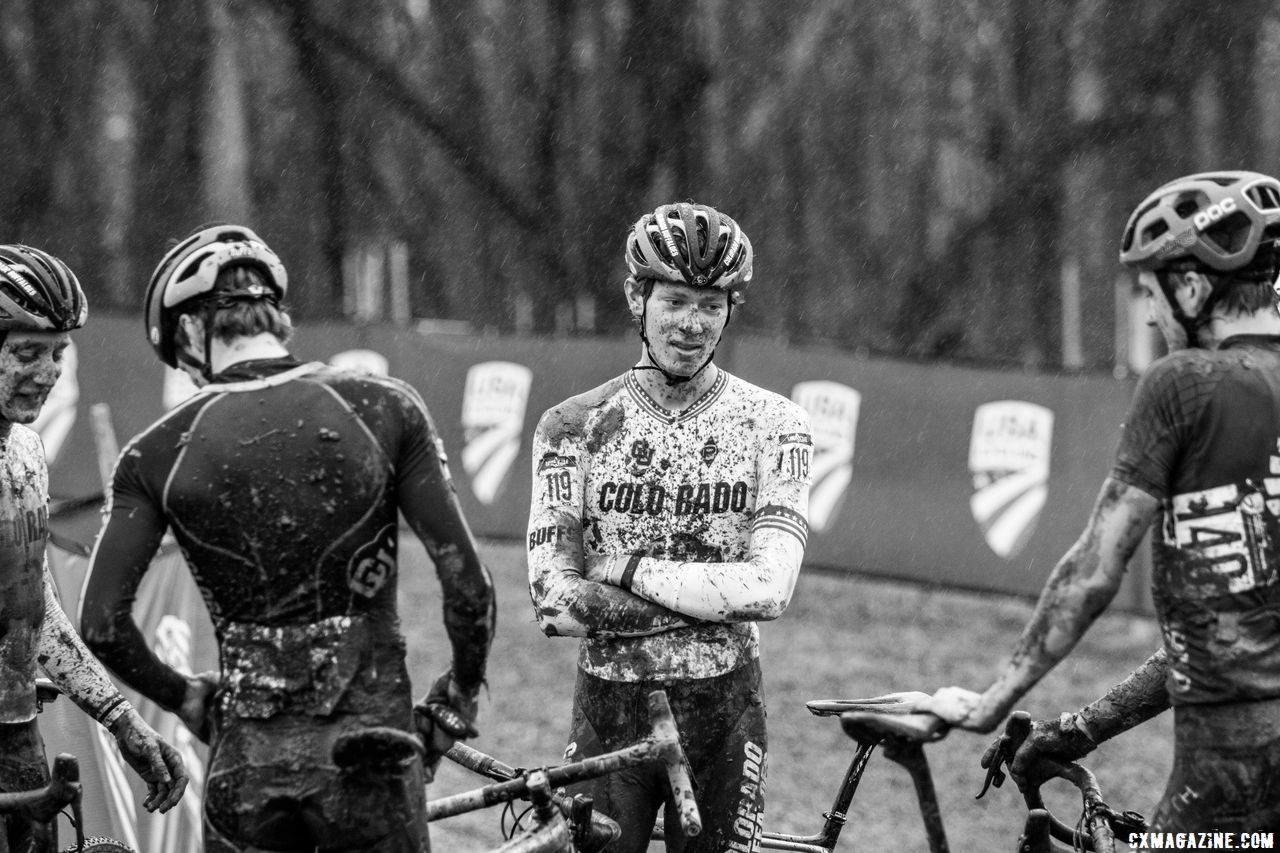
pixel 238 317
pixel 1246 297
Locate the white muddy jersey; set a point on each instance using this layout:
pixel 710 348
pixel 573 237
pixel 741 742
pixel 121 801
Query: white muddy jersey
pixel 615 474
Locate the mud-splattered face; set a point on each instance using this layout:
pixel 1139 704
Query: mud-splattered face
pixel 30 364
pixel 683 324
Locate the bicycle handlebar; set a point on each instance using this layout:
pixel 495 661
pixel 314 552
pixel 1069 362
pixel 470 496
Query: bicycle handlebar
pixel 1099 831
pixel 43 804
pixel 477 762
pixel 663 744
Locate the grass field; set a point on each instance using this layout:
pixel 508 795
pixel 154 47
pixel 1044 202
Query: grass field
pixel 844 636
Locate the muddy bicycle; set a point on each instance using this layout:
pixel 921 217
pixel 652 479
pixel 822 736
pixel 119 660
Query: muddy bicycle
pixel 892 724
pixel 889 723
pixel 61 795
pixel 556 821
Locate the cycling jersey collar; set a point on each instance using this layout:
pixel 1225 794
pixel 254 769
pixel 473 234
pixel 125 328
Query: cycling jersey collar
pixel 256 368
pixel 1250 340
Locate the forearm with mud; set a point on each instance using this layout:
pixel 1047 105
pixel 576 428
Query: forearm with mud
pixel 757 589
pixel 1132 702
pixel 70 665
pixel 1078 590
pixel 568 605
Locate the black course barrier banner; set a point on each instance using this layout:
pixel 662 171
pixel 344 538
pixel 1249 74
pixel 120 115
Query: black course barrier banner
pixel 974 478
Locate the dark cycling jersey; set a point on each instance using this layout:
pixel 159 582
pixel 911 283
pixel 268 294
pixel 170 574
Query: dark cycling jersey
pixel 1203 436
pixel 281 483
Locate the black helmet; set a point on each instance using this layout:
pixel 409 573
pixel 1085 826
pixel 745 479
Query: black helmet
pixel 189 271
pixel 38 292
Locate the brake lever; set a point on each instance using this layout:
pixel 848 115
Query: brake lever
pixel 1015 732
pixel 995 773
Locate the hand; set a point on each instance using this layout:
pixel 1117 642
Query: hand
pixel 446 715
pixel 1050 742
pixel 961 708
pixel 153 759
pixel 197 704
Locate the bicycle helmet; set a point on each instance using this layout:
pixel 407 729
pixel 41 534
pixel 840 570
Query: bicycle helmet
pixel 1215 218
pixel 1218 223
pixel 189 272
pixel 38 292
pixel 659 248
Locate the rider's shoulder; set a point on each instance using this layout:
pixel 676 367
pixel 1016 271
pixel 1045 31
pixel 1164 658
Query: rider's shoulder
pixel 577 411
pixel 366 387
pixel 1191 364
pixel 24 444
pixel 774 407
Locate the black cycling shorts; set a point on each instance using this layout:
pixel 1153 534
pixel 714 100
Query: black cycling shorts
pixel 1226 769
pixel 272 785
pixel 722 730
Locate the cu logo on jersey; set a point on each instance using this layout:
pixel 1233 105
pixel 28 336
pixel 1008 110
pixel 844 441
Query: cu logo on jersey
pixel 1213 213
pixel 641 456
pixel 374 564
pixel 710 450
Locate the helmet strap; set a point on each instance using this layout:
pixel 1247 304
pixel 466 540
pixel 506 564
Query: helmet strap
pixel 1191 326
pixel 673 379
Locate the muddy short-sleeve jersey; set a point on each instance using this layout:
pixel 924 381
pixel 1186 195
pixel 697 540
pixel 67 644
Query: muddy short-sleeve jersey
pixel 24 520
pixel 1203 437
pixel 703 512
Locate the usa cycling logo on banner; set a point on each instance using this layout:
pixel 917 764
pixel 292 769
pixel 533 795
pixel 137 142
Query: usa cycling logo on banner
pixel 493 408
pixel 1009 462
pixel 833 414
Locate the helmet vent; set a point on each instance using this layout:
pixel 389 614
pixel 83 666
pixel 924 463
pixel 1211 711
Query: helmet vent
pixel 1230 234
pixel 1265 197
pixel 1188 205
pixel 1157 230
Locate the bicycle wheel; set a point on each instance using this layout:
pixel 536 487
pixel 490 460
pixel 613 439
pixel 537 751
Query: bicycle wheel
pixel 101 844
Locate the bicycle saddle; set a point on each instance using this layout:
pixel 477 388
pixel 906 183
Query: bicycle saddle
pixel 890 703
pixel 870 726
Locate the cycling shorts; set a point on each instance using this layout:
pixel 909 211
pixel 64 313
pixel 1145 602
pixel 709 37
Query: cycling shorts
pixel 23 767
pixel 721 721
pixel 272 784
pixel 1226 769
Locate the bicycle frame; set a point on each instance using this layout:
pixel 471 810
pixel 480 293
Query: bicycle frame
pixel 891 722
pixel 833 821
pixel 46 803
pixel 662 745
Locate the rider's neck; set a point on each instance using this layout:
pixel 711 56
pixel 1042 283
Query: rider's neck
pixel 265 345
pixel 679 396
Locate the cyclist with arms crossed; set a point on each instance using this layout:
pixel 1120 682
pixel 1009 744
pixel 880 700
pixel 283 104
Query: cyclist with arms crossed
pixel 282 482
pixel 41 303
pixel 668 517
pixel 1199 457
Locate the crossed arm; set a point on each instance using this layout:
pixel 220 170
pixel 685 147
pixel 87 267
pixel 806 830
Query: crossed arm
pixel 634 595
